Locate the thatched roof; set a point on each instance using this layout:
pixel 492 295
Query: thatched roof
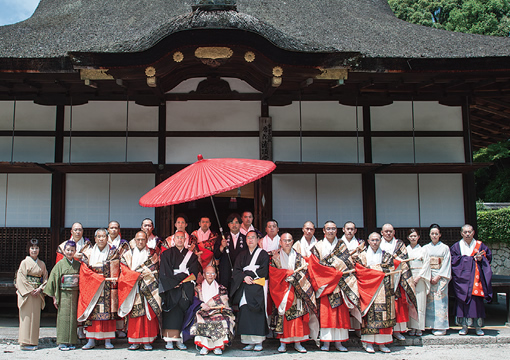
pixel 367 27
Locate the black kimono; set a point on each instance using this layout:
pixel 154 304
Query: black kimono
pixel 175 297
pixel 250 298
pixel 228 257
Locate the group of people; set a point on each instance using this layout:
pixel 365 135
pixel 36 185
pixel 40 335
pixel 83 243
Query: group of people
pixel 204 285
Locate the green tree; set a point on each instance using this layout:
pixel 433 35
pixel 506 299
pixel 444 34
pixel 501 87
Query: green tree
pixel 493 182
pixel 487 17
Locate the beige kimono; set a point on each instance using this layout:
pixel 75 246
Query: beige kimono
pixel 32 274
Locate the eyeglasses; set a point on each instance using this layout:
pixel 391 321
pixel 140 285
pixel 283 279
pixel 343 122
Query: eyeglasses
pixel 210 273
pixel 77 230
pixel 287 240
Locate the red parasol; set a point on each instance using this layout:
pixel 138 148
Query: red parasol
pixel 206 177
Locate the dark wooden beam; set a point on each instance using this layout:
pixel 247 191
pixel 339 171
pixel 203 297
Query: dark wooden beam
pixel 428 168
pixel 6 167
pixel 104 168
pixel 368 179
pixel 323 168
pixel 369 202
pixel 491 111
pixel 497 124
pixel 59 134
pixel 494 137
pixel 162 134
pixel 492 101
pixel 468 178
pixel 58 185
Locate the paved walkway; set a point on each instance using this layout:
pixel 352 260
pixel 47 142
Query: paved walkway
pixel 496 332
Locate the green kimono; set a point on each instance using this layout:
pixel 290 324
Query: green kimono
pixel 67 300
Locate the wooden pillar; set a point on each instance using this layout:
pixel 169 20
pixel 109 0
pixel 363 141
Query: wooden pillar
pixel 368 179
pixel 58 190
pixel 263 193
pixel 162 134
pixel 468 179
pixel 162 219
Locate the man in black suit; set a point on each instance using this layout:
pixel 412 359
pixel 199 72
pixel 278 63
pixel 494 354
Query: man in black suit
pixel 226 249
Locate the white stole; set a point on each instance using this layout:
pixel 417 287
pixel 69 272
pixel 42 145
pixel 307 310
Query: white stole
pixel 351 245
pixel 305 247
pixel 97 256
pixel 465 249
pixel 327 247
pixel 269 244
pixel 151 242
pixel 374 258
pixel 388 246
pixel 115 242
pixel 139 257
pixel 251 266
pixel 182 269
pixel 209 291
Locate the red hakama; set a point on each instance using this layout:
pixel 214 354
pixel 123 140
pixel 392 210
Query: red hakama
pixel 296 330
pixel 402 307
pixel 141 330
pixel 101 330
pixel 337 318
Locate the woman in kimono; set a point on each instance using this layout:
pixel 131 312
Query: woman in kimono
pixel 63 288
pixel 420 268
pixel 440 267
pixel 30 281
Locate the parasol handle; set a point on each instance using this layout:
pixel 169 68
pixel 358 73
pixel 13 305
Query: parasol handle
pixel 217 217
pixel 221 230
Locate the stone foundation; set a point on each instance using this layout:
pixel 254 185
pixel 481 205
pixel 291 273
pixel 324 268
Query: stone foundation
pixel 500 258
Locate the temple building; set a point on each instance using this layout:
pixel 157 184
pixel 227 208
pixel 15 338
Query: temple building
pixel 368 118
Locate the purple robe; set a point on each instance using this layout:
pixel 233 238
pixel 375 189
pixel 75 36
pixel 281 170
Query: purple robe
pixel 463 276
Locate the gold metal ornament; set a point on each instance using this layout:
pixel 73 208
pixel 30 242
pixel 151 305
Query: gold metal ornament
pixel 150 71
pixel 178 56
pixel 249 56
pixel 95 74
pixel 214 53
pixel 277 71
pixel 333 74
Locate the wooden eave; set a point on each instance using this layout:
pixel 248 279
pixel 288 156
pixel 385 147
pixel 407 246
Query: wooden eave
pixel 370 81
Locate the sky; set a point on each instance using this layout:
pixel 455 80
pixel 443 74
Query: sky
pixel 13 11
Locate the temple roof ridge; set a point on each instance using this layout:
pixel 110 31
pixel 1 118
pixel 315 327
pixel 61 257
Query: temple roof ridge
pixel 367 27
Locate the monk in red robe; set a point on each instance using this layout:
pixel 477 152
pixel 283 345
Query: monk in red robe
pixel 138 293
pixel 292 294
pixel 97 303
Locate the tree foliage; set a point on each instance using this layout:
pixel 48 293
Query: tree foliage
pixel 492 183
pixel 486 17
